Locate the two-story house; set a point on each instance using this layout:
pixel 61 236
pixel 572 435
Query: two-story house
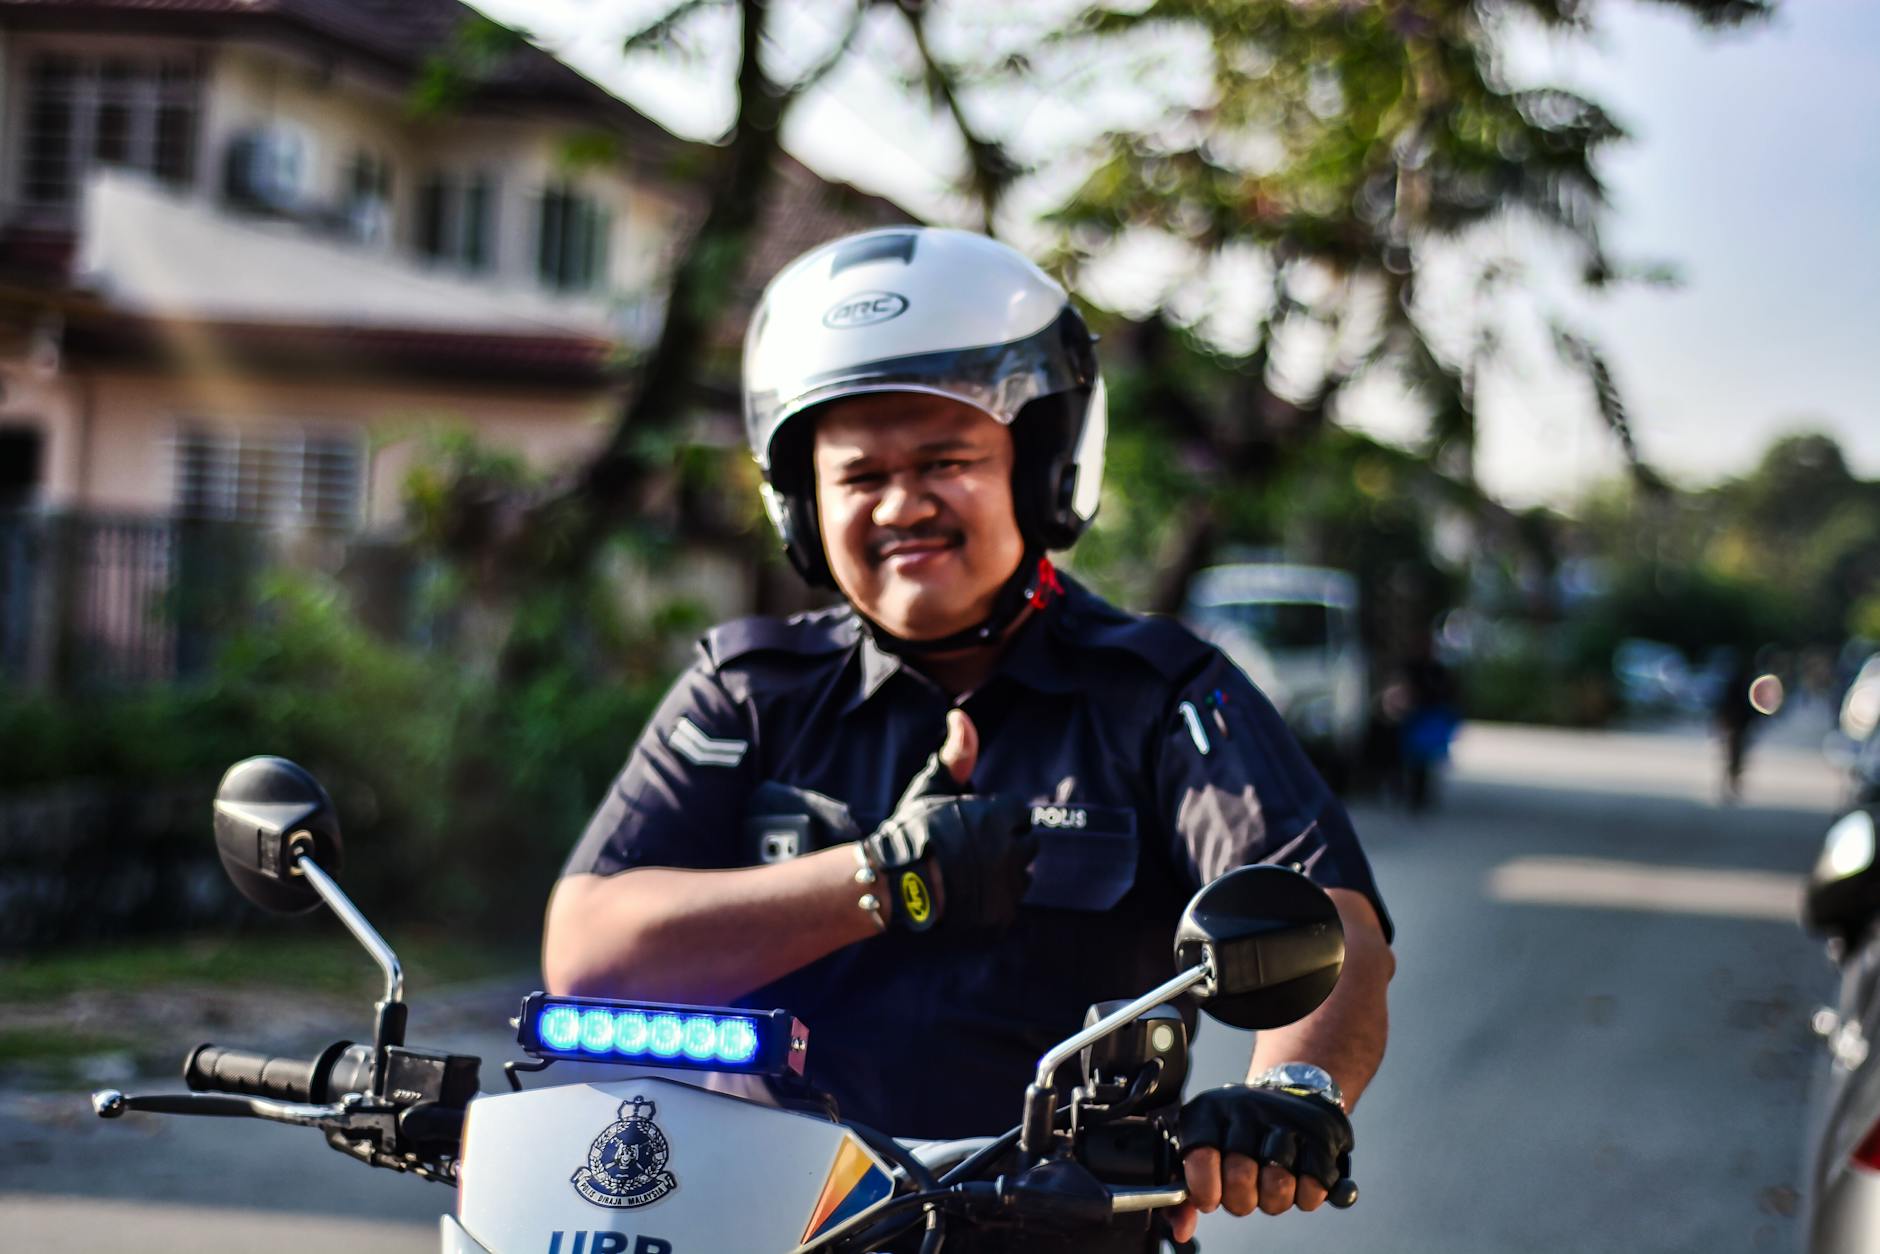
pixel 239 270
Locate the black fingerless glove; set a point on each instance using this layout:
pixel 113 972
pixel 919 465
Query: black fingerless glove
pixel 1306 1135
pixel 958 856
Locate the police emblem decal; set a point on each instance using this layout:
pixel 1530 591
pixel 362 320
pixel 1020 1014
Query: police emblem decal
pixel 626 1165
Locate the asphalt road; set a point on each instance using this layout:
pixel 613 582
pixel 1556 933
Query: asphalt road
pixel 1599 1041
pixel 1599 1034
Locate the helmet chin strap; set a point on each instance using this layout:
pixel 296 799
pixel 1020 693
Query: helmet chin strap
pixel 1032 585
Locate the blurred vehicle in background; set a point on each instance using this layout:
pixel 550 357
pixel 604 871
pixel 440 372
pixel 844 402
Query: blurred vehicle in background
pixel 1843 904
pixel 1294 631
pixel 1653 676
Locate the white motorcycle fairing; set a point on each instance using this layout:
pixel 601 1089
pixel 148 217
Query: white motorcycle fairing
pixel 455 1239
pixel 652 1166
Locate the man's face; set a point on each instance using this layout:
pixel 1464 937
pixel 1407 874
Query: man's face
pixel 915 499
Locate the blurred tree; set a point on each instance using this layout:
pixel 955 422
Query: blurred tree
pixel 1786 554
pixel 1335 149
pixel 530 543
pixel 1328 149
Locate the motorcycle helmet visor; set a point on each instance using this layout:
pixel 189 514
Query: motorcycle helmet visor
pixel 997 379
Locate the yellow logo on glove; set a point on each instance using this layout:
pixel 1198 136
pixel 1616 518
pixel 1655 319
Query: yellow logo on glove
pixel 914 897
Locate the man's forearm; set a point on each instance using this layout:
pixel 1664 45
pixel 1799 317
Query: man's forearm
pixel 665 934
pixel 1345 1035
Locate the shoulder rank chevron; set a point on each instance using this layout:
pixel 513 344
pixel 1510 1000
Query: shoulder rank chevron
pixel 701 750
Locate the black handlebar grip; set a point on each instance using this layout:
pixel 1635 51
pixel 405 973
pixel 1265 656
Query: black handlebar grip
pixel 1344 1194
pixel 212 1069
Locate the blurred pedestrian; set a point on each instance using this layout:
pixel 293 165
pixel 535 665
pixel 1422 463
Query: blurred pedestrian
pixel 1735 713
pixel 1421 699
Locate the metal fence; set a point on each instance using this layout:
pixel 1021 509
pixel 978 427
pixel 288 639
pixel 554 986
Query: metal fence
pixel 100 601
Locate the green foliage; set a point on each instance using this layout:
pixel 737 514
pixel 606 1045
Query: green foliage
pixel 1522 678
pixel 587 150
pixel 322 957
pixel 459 798
pixel 131 740
pixel 1864 619
pixel 1343 145
pixel 1697 610
pixel 456 482
pixel 478 48
pixel 1786 554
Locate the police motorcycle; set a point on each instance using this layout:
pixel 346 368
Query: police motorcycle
pixel 645 1164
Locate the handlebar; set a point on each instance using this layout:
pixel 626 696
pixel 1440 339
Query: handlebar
pixel 342 1067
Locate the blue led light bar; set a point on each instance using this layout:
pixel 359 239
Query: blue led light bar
pixel 702 1038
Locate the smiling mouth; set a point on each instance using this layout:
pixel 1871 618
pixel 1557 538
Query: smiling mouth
pixel 912 552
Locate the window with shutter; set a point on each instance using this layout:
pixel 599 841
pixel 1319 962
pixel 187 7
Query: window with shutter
pixel 571 240
pixel 84 111
pixel 282 478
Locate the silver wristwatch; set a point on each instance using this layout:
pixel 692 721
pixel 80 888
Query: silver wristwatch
pixel 1304 1079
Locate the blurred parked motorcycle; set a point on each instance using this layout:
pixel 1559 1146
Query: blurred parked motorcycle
pixel 1843 905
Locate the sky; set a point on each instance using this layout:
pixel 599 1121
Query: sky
pixel 1753 169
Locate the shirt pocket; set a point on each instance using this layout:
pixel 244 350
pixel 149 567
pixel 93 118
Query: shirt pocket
pixel 783 821
pixel 1087 856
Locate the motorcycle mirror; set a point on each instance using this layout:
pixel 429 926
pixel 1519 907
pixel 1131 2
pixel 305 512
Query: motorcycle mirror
pixel 1844 887
pixel 1274 940
pixel 266 811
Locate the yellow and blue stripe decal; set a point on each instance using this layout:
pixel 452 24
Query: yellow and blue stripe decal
pixel 856 1182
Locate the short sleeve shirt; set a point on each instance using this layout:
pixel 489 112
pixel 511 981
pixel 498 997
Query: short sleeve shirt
pixel 1152 765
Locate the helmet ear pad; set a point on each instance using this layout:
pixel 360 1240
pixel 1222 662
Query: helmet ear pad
pixel 793 488
pixel 1044 469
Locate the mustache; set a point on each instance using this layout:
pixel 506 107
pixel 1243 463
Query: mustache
pixel 887 539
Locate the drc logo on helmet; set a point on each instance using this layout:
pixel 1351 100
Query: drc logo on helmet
pixel 863 309
pixel 626 1165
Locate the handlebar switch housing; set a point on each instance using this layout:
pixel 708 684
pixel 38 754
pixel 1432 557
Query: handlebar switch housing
pixel 1123 1116
pixel 415 1076
pixel 1157 1039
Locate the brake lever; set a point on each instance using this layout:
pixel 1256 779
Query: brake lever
pixel 110 1104
pixel 355 1125
pixel 1126 1201
pixel 1344 1196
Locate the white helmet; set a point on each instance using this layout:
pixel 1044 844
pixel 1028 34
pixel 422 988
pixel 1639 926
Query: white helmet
pixel 925 309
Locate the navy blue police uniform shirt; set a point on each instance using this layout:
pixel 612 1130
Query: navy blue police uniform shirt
pixel 1153 765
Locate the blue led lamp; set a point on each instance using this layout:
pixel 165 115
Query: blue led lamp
pixel 656 1034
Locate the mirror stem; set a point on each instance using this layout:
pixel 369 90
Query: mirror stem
pixel 356 923
pixel 388 1028
pixel 1041 1097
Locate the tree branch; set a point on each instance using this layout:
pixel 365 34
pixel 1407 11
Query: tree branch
pixel 990 169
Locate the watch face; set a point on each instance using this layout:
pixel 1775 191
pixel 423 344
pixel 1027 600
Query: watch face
pixel 1302 1075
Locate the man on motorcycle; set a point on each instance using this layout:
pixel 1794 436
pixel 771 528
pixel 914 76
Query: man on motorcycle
pixel 925 407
